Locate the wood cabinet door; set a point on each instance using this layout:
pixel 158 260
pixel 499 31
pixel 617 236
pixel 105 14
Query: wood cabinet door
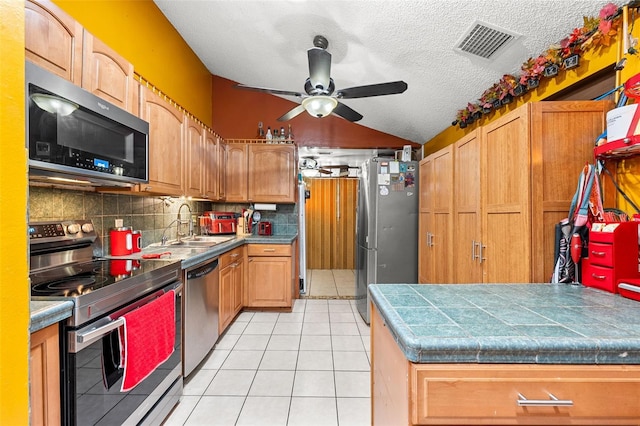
pixel 425 224
pixel 211 171
pixel 269 282
pixel 44 377
pixel 107 74
pixel 195 158
pixel 423 248
pixel 562 138
pixel 225 302
pixel 467 219
pixel 272 173
pixel 236 172
pixel 166 136
pixel 506 221
pixel 442 211
pixel 53 40
pixel 221 167
pixel 238 286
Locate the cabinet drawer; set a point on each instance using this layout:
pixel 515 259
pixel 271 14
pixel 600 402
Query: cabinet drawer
pixel 230 257
pixel 601 277
pixel 476 394
pixel 269 249
pixel 601 254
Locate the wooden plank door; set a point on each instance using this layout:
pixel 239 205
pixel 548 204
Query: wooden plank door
pixel 467 222
pixel 442 230
pixel 331 223
pixel 506 221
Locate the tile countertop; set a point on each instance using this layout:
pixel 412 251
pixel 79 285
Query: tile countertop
pixel 44 314
pixel 191 256
pixel 510 323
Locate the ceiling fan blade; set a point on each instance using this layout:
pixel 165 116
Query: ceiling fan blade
pixel 265 90
pixel 380 89
pixel 319 67
pixel 347 113
pixel 294 112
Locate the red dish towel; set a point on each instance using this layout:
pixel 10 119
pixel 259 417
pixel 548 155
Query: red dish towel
pixel 147 339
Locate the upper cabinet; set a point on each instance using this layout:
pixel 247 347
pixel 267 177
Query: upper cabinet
pixel 213 165
pixel 236 172
pixel 272 173
pixel 195 161
pixel 53 40
pixel 260 173
pixel 107 74
pixel 59 44
pixel 166 136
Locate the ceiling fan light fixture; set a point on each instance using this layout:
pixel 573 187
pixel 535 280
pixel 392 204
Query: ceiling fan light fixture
pixel 319 106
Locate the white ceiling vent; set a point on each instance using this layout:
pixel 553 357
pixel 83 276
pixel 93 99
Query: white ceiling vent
pixel 485 40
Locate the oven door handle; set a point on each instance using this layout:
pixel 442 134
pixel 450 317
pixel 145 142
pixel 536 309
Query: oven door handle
pixel 100 331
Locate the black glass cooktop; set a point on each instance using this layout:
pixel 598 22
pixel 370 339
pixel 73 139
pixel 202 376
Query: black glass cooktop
pixel 81 278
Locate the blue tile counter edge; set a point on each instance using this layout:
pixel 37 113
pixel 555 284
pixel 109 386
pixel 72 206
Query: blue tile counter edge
pixel 44 314
pixel 509 323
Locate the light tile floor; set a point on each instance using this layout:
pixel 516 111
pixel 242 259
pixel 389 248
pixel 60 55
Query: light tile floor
pixel 307 367
pixel 336 283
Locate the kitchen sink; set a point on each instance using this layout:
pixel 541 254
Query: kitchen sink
pixel 195 241
pixel 191 243
pixel 217 239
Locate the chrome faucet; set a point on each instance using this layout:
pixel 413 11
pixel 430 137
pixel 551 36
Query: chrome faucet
pixel 182 222
pixel 163 240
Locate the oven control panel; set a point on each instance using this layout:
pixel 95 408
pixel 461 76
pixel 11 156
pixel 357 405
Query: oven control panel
pixel 61 230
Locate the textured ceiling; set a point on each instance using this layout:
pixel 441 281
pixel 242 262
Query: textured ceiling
pixel 264 43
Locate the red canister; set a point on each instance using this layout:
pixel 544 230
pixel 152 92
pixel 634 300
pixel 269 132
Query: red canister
pixel 136 241
pixel 121 241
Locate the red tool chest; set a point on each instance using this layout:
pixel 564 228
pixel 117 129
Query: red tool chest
pixel 613 255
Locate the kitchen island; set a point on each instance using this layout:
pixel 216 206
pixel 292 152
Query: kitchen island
pixel 503 354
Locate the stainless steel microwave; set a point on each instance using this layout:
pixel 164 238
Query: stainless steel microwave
pixel 74 136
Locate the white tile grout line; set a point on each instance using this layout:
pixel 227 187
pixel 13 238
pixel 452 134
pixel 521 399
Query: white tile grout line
pixel 335 397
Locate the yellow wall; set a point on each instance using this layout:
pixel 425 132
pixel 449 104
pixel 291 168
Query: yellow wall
pixel 591 63
pixel 627 171
pixel 14 286
pixel 140 32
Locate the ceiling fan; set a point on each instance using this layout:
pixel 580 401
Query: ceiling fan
pixel 310 163
pixel 320 98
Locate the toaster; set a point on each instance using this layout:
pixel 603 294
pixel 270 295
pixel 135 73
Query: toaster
pixel 264 228
pixel 221 222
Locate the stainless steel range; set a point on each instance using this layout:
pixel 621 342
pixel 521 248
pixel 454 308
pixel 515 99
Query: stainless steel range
pixel 62 267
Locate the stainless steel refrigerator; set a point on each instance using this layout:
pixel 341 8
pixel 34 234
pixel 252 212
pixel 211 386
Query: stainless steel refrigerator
pixel 386 226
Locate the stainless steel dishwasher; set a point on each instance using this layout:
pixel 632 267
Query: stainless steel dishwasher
pixel 201 290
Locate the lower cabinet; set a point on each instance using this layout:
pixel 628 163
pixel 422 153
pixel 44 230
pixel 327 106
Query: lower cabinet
pixel 269 281
pixel 231 286
pixel 405 393
pixel 44 377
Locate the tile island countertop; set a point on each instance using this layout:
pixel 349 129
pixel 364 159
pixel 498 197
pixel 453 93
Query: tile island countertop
pixel 510 323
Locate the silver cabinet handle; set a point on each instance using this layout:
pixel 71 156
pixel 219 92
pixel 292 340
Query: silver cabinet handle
pixel 431 244
pixel 552 402
pixel 481 247
pixel 97 332
pixel 473 250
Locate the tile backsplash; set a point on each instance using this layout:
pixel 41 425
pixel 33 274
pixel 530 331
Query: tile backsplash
pixel 151 215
